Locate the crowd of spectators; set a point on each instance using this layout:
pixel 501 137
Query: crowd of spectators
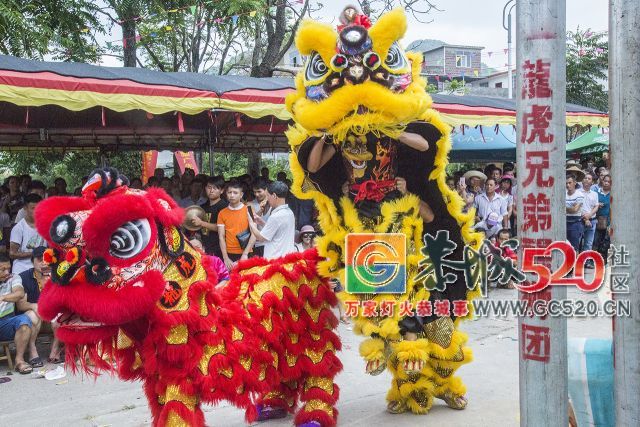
pixel 244 216
pixel 492 193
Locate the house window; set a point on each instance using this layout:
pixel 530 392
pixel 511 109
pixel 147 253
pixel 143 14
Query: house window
pixel 463 59
pixel 499 84
pixel 485 84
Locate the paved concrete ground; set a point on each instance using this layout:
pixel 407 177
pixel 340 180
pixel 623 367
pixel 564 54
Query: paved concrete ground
pixel 492 381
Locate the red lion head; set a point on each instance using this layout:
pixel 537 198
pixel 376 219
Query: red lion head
pixel 108 251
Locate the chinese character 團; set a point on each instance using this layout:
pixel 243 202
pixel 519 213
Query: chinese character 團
pixel 535 342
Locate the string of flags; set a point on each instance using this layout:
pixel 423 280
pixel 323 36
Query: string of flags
pixel 192 9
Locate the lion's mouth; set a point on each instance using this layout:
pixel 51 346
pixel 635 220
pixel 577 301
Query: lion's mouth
pixel 358 164
pixel 74 321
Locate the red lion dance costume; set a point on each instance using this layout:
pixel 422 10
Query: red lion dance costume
pixel 131 295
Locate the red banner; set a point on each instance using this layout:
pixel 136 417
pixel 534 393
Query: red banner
pixel 149 163
pixel 186 159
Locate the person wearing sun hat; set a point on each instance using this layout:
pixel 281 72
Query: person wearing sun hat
pixel 579 174
pixel 306 236
pixel 475 181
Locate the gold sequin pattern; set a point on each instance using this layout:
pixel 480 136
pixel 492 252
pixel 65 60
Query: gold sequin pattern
pixel 291 359
pixel 267 324
pixel 174 420
pixel 226 372
pixel 325 384
pixel 440 331
pixel 313 312
pixel 421 398
pixel 236 335
pixel 293 338
pixel 204 310
pixel 245 361
pixel 443 372
pixel 173 394
pixel 137 362
pixel 318 405
pixel 316 356
pixel 178 334
pixel 123 341
pixel 208 352
pixel 263 373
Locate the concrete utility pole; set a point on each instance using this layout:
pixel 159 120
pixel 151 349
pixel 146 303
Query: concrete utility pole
pixel 624 134
pixel 507 27
pixel 540 100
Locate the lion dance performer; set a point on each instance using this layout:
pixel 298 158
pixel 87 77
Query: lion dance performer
pixel 130 294
pixel 367 148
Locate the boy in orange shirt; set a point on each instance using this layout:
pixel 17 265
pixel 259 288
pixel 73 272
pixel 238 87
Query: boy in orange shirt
pixel 232 221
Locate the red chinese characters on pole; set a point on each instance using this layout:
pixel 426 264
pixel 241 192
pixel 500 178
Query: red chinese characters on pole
pixel 535 342
pixel 536 212
pixel 536 79
pixel 536 123
pixel 536 163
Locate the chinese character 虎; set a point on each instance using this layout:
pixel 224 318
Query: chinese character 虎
pixel 536 124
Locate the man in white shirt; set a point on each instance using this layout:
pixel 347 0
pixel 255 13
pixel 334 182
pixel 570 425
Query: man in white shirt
pixel 573 205
pixel 589 208
pixel 260 207
pixel 278 232
pixel 24 237
pixel 491 208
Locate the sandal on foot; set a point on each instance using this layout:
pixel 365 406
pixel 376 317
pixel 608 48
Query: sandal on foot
pixel 55 360
pixel 453 401
pixel 36 362
pixel 23 368
pixel 397 407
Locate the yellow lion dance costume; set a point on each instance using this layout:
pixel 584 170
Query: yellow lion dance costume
pixel 367 148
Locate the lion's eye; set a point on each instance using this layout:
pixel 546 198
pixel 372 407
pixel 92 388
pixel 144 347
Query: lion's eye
pixel 316 68
pixel 130 239
pixel 395 59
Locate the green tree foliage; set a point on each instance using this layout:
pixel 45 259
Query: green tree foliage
pixel 66 29
pixel 587 67
pixel 71 166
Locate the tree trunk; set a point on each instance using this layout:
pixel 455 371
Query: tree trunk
pixel 129 43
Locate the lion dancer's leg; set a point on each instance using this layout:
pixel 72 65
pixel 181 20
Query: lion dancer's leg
pixel 319 396
pixel 320 365
pixel 173 405
pixel 278 402
pixel 447 354
pixel 411 388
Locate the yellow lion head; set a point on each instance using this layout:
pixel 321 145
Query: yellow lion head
pixel 358 80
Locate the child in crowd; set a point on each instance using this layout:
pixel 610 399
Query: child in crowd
pixel 506 252
pixel 218 264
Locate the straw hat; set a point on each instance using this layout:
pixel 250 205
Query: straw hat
pixel 577 171
pixel 475 174
pixel 189 214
